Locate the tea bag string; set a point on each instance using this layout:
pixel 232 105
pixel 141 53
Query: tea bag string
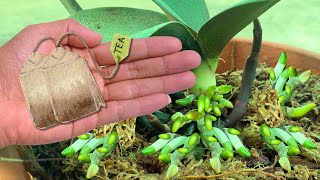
pixel 114 71
pixel 41 41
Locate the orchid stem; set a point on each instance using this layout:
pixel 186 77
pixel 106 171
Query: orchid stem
pixel 247 78
pixel 71 5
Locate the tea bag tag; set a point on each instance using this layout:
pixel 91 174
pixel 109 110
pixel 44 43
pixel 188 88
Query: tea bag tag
pixel 120 47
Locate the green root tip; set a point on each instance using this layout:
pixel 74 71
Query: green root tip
pixel 193 139
pixel 288 90
pixel 112 138
pixel 176 115
pixel 165 158
pixel 84 136
pixel 92 171
pixel 299 111
pixel 215 164
pixel 292 71
pixel 211 139
pixel 274 142
pixel 208 123
pixel 69 151
pixel 217 110
pixel 283 58
pixel 194 115
pixel 226 154
pixel 272 75
pixel 293 151
pixel 200 103
pixel 282 99
pixel 149 150
pixel 103 149
pixel 186 101
pixel 285 163
pixel 164 136
pixel 224 89
pixel 309 144
pixel 265 130
pixel 233 131
pixel 184 150
pixel 207 103
pixel 217 97
pixel 244 152
pixel 172 171
pixel 304 77
pixel 84 158
pixel 294 129
pixel 176 125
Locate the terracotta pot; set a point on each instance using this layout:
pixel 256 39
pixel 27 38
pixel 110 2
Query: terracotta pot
pixel 237 51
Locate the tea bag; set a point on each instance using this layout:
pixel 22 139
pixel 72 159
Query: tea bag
pixel 60 88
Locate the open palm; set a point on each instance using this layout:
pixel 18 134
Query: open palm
pixel 154 68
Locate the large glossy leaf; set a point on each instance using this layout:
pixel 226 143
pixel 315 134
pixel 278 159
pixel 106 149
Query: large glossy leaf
pixel 174 29
pixel 110 20
pixel 219 30
pixel 193 13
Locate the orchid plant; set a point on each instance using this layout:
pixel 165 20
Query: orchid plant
pixel 190 22
pixel 284 140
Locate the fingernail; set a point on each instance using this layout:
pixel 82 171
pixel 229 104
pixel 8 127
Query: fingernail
pixel 169 99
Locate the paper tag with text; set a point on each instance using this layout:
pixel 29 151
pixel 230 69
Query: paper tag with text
pixel 120 47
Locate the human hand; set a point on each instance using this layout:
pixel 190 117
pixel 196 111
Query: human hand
pixel 153 69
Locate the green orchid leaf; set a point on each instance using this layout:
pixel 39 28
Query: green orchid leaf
pixel 174 29
pixel 193 13
pixel 219 30
pixel 110 20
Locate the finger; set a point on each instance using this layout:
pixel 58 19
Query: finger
pixel 57 28
pixel 140 49
pixel 153 67
pixel 131 89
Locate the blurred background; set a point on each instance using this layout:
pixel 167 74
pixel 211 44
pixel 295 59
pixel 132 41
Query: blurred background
pixel 294 22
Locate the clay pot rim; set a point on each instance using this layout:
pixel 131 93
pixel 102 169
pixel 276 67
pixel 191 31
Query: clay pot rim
pixel 238 49
pixel 281 45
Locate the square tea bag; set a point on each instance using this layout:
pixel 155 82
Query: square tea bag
pixel 59 88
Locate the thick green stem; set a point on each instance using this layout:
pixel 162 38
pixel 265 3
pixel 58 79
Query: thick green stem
pixel 205 74
pixel 71 5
